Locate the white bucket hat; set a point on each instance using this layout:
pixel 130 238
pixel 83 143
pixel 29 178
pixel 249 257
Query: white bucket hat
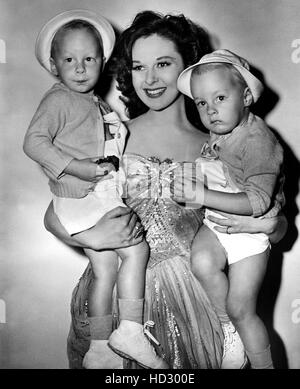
pixel 224 56
pixel 46 35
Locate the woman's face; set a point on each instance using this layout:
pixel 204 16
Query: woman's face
pixel 156 65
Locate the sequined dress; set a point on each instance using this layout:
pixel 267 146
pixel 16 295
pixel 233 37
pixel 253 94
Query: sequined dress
pixel 186 325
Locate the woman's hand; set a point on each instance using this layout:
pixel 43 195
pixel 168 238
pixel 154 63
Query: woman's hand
pixel 275 227
pixel 117 228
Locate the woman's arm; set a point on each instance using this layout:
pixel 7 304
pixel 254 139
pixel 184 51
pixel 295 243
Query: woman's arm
pixel 117 228
pixel 274 227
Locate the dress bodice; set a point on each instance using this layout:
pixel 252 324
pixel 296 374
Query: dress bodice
pixel 170 228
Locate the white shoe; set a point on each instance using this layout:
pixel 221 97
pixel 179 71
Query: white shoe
pixel 234 356
pixel 129 340
pixel 100 356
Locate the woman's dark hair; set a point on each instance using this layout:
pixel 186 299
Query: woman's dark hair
pixel 190 40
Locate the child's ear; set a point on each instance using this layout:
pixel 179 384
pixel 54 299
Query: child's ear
pixel 248 98
pixel 53 67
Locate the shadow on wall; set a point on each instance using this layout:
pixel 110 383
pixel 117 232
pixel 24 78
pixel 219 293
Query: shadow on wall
pixel 271 284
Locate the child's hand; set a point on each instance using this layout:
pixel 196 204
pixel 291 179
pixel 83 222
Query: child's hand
pixel 86 169
pixel 188 187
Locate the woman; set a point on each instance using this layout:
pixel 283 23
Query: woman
pixel 150 55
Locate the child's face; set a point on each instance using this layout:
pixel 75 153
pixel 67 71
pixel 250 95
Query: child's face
pixel 78 60
pixel 220 100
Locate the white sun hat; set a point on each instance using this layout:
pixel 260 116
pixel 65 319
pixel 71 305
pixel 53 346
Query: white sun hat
pixel 46 35
pixel 223 56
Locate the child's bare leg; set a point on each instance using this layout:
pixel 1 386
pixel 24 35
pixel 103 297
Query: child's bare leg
pixel 245 279
pixel 129 339
pixel 208 261
pixel 105 267
pixel 105 270
pixel 132 272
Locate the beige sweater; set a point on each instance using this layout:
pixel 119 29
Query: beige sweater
pixel 66 125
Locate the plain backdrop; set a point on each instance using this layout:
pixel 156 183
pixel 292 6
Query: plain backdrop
pixel 37 272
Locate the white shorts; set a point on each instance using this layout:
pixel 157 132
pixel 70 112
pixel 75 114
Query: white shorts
pixel 237 246
pixel 77 215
